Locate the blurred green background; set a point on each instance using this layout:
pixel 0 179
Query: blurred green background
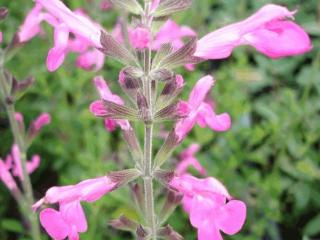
pixel 270 158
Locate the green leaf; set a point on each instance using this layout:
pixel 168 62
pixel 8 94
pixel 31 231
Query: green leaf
pixel 313 226
pixel 12 225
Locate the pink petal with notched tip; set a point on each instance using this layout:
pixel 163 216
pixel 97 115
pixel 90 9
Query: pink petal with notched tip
pixel 217 122
pixel 232 216
pixel 52 221
pixel 57 54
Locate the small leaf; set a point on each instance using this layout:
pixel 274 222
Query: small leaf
pixel 168 7
pixel 128 5
pixel 112 48
pixel 312 228
pixel 12 225
pixel 182 56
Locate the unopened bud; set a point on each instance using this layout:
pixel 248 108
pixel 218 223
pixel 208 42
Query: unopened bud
pixel 167 148
pixel 163 75
pixel 169 234
pixel 133 145
pixel 164 176
pixel 123 177
pixel 3 13
pixel 142 233
pixel 123 223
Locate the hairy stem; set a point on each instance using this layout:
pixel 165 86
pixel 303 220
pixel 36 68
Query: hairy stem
pixel 148 138
pixel 19 140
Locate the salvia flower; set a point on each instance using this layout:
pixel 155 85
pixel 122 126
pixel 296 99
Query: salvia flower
pixel 268 30
pixel 84 40
pixel 98 108
pixel 210 207
pixel 67 222
pixel 12 167
pixel 89 190
pixel 200 112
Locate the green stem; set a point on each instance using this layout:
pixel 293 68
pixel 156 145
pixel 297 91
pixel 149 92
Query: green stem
pixel 148 139
pixel 19 140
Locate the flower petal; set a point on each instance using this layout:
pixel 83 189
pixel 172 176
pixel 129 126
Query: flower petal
pixel 51 220
pixel 73 214
pixel 232 217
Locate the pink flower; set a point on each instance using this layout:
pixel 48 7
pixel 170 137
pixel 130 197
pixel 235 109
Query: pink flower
pixel 210 206
pixel 98 108
pixel 31 25
pixel 17 167
pixel 140 38
pixel 201 112
pixel 89 190
pixel 187 159
pixel 6 176
pixel 75 22
pixel 41 121
pixel 67 222
pixel 12 167
pixel 1 37
pixel 86 33
pixel 172 33
pixel 268 30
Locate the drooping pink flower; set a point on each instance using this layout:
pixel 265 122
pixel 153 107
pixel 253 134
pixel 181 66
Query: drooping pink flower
pixel 76 23
pixel 69 221
pixel 6 177
pixel 140 38
pixel 187 159
pixel 89 190
pixel 210 207
pixel 268 30
pixel 98 108
pixel 172 33
pixel 16 166
pixel 85 33
pixel 41 121
pixel 200 112
pixel 32 24
pixel 1 37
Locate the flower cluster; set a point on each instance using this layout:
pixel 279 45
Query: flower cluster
pixel 11 167
pixel 150 83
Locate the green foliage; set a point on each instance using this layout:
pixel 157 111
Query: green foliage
pixel 270 158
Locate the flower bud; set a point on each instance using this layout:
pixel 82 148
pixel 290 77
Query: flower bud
pixel 3 13
pixel 169 234
pixel 123 223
